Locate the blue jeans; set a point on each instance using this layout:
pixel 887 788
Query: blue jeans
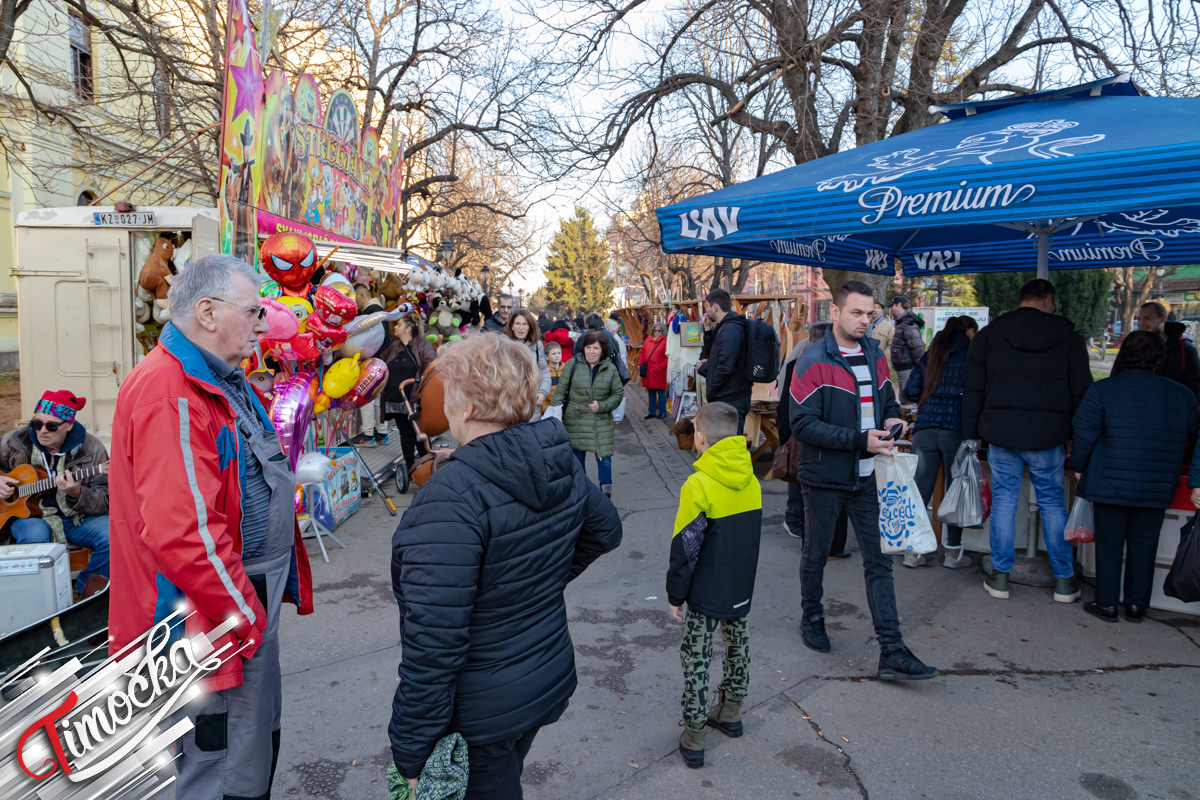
pixel 658 400
pixel 604 467
pixel 1046 474
pixel 822 508
pixel 93 533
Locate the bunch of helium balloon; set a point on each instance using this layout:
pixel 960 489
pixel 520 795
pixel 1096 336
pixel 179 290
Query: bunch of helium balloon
pixel 324 350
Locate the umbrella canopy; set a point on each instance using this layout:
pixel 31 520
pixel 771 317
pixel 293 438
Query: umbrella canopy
pixel 1092 176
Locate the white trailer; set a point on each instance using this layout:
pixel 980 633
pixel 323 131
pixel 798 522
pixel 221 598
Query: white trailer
pixel 77 270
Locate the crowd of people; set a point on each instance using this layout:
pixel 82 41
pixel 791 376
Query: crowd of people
pixel 201 501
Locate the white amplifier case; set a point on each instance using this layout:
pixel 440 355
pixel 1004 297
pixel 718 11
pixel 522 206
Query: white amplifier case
pixel 35 583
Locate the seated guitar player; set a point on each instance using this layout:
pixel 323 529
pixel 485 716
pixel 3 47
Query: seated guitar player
pixel 73 511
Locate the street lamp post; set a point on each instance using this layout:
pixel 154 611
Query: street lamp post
pixel 485 273
pixel 446 251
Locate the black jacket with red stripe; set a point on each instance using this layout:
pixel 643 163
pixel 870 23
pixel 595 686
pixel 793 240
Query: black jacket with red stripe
pixel 826 411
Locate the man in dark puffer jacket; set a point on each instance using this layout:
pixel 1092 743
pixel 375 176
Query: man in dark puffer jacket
pixel 1026 374
pixel 479 564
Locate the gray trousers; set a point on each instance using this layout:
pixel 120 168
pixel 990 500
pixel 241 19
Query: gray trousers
pixel 232 750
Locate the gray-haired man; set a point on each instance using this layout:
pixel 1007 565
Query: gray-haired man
pixel 202 514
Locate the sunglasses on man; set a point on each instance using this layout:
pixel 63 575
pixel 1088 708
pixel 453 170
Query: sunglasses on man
pixel 262 311
pixel 37 425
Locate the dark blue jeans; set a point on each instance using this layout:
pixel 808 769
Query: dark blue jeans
pixel 603 466
pixel 657 398
pixel 821 510
pixel 794 514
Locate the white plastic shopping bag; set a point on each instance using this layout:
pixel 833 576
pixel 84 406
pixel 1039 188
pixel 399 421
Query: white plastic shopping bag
pixel 619 413
pixel 903 522
pixel 553 412
pixel 963 504
pixel 1081 525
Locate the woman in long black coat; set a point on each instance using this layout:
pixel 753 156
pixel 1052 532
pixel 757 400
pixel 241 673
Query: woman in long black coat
pixel 406 357
pixel 479 564
pixel 1130 435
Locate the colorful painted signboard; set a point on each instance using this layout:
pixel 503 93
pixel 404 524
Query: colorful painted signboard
pixel 241 124
pixel 291 162
pixel 332 502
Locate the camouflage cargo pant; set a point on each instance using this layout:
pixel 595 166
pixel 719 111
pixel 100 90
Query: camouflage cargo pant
pixel 696 652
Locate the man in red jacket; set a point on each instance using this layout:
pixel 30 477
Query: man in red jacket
pixel 202 516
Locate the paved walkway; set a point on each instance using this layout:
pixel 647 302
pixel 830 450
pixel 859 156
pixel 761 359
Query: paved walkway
pixel 1036 699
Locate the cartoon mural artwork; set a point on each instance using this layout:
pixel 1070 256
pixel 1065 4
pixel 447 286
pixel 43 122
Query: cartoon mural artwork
pixel 241 123
pixel 293 163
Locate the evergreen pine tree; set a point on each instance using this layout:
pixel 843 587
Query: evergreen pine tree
pixel 577 267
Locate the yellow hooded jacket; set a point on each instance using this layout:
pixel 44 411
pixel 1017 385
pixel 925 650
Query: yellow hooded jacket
pixel 714 551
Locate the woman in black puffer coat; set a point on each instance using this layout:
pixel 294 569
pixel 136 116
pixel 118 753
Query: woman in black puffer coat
pixel 1130 436
pixel 479 564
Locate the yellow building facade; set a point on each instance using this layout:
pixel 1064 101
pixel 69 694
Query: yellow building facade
pixel 77 120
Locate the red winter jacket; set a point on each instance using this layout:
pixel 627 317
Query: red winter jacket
pixel 563 337
pixel 176 451
pixel 654 351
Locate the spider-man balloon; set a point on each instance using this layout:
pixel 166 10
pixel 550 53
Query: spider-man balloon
pixel 290 259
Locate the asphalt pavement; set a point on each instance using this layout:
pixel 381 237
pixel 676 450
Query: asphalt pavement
pixel 1035 699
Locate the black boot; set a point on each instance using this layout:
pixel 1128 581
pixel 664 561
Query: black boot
pixel 691 747
pixel 812 633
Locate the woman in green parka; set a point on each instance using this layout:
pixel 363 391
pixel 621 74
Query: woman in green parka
pixel 589 389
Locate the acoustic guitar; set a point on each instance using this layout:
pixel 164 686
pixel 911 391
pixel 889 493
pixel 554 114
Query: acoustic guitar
pixel 34 481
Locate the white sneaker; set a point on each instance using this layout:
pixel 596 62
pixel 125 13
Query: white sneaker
pixel 914 560
pixel 956 558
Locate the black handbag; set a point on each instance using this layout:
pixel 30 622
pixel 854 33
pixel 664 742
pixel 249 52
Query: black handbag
pixel 1183 581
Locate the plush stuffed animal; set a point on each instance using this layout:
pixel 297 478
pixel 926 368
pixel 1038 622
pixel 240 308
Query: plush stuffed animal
pixel 156 277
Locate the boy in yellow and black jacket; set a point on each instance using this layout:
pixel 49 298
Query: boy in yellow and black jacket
pixel 714 555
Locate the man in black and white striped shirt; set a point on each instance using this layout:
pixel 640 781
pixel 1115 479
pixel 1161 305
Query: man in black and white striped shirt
pixel 841 404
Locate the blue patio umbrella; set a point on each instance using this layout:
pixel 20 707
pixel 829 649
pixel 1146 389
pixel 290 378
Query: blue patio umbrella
pixel 1091 176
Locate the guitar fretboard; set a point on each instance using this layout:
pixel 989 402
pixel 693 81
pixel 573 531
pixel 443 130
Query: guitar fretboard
pixel 46 484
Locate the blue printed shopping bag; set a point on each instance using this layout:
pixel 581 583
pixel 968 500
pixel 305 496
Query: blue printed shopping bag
pixel 903 521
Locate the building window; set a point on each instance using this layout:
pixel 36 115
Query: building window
pixel 81 58
pixel 85 198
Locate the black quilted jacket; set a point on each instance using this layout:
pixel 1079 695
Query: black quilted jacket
pixel 479 564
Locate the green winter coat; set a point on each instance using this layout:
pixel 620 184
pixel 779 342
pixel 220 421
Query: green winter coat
pixel 590 432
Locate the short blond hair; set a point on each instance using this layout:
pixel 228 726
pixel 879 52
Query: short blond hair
pixel 493 373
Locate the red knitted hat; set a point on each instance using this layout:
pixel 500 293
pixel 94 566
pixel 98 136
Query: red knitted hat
pixel 61 404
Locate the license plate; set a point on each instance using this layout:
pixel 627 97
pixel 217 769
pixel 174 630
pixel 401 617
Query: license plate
pixel 123 220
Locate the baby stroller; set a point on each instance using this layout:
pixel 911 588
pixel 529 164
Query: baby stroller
pixel 427 414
